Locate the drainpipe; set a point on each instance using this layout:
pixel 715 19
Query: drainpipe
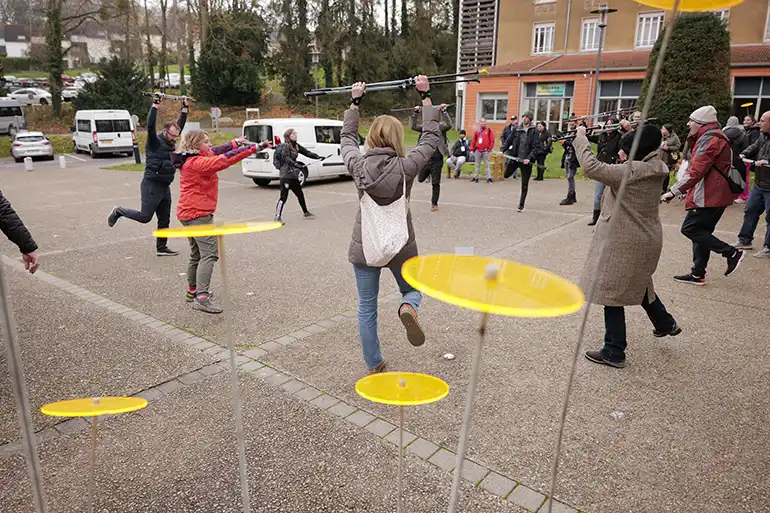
pixel 518 91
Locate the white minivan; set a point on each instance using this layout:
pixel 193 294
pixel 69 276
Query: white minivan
pixel 11 116
pixel 321 136
pixel 103 131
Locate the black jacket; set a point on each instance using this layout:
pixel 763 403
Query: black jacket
pixel 760 150
pixel 444 124
pixel 607 145
pixel 530 148
pixel 290 167
pixel 752 134
pixel 14 228
pixel 569 156
pixel 158 166
pixel 544 144
pixel 505 135
pixel 461 148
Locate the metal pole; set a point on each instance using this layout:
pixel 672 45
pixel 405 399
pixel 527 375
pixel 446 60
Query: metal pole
pixel 315 69
pixel 28 442
pixel 92 464
pixel 465 431
pixel 602 25
pixel 399 504
pixel 236 393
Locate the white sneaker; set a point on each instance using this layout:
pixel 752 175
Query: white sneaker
pixel 763 253
pixel 739 201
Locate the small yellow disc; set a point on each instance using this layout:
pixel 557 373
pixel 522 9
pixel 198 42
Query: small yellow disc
pixel 208 230
pixel 93 406
pixel 402 388
pixel 692 5
pixel 517 290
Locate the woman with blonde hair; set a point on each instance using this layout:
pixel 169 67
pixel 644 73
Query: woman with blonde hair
pixel 198 165
pixel 385 173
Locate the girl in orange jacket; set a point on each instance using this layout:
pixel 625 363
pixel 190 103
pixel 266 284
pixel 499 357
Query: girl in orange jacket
pixel 199 165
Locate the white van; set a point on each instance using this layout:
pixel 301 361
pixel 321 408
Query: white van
pixel 103 131
pixel 321 136
pixel 10 111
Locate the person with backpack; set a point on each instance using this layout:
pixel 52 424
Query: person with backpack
pixel 481 147
pixel 158 176
pixel 738 142
pixel 383 235
pixel 759 197
pixel 634 245
pixel 544 147
pixel 460 152
pixel 707 187
pixel 285 160
pixel 199 165
pixel 433 169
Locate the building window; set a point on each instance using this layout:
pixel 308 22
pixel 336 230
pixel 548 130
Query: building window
pixel 615 95
pixel 767 25
pixel 648 27
pixel 550 102
pixel 751 96
pixel 589 41
pixel 542 40
pixel 493 107
pixel 723 15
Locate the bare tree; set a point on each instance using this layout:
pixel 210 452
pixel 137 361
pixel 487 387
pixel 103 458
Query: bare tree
pixel 162 64
pixel 149 44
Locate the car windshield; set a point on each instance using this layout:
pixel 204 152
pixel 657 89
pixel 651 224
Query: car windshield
pixel 30 138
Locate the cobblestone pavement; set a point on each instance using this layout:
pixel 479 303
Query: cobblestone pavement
pixel 680 429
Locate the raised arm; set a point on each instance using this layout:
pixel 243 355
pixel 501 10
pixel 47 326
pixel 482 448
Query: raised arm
pixel 217 163
pixel 415 126
pixel 608 174
pixel 309 154
pixel 431 136
pixel 182 115
pixel 351 154
pixel 445 124
pixel 152 134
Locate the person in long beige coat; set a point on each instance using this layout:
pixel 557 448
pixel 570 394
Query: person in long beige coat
pixel 383 173
pixel 634 249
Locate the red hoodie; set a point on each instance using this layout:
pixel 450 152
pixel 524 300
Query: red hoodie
pixel 198 178
pixel 483 140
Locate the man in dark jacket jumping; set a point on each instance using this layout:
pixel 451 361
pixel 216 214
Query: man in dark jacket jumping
pixel 158 175
pixel 13 228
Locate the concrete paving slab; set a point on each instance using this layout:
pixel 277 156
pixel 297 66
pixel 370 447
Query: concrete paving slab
pixel 74 348
pixel 180 456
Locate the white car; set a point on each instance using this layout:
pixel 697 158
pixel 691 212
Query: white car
pixel 88 77
pixel 31 144
pixel 31 96
pixel 68 93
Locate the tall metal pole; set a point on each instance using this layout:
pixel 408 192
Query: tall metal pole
pixel 603 11
pixel 315 72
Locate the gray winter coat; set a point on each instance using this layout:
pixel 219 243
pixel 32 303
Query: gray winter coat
pixel 379 173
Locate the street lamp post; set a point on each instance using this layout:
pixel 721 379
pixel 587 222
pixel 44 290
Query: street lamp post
pixel 316 57
pixel 602 11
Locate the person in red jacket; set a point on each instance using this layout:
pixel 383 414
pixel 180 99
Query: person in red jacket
pixel 708 194
pixel 198 165
pixel 481 146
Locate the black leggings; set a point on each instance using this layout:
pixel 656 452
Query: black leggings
pixel 433 169
pixel 288 184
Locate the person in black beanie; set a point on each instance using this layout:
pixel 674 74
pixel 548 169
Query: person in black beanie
pixel 633 247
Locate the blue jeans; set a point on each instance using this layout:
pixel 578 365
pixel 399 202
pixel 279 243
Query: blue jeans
pixel 570 172
pixel 758 202
pixel 598 193
pixel 368 285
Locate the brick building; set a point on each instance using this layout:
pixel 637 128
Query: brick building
pixel 532 67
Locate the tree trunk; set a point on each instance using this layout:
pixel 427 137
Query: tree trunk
pixel 149 46
pixel 204 14
pixel 162 71
pixel 387 21
pixel 393 18
pixel 190 45
pixel 127 34
pixel 404 19
pixel 54 53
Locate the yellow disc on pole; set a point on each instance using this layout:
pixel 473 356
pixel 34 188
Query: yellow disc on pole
pixel 493 285
pixel 402 388
pixel 209 230
pixel 93 406
pixel 692 5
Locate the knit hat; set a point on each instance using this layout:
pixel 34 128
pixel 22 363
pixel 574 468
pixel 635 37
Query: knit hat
pixel 732 121
pixel 649 142
pixel 528 114
pixel 704 115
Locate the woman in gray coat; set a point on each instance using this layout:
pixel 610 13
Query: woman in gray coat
pixel 380 173
pixel 634 249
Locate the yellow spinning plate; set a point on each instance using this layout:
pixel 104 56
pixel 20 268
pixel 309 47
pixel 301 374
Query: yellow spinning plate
pixel 518 290
pixel 93 406
pixel 692 5
pixel 208 230
pixel 415 389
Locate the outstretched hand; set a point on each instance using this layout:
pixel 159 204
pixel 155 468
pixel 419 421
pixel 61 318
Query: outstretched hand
pixel 421 83
pixel 668 196
pixel 358 89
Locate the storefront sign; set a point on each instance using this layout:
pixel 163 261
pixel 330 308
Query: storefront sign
pixel 551 89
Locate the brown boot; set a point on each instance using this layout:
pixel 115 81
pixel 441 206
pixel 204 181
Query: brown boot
pixel 414 333
pixel 378 369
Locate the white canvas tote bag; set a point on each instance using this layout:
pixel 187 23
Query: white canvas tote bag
pixel 384 231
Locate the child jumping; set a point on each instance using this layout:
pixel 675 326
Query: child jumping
pixel 198 165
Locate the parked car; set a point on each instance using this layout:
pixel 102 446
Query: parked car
pixel 11 116
pixel 68 93
pixel 321 136
pixel 89 77
pixel 31 96
pixel 103 131
pixel 31 144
